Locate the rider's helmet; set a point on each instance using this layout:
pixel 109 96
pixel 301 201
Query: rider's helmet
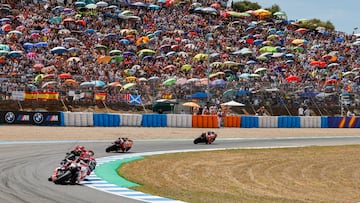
pixel 85 156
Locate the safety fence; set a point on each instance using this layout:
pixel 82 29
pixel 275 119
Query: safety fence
pixel 90 119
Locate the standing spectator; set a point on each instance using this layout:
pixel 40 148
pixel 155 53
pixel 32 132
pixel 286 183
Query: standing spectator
pixel 349 113
pixel 301 110
pixel 262 112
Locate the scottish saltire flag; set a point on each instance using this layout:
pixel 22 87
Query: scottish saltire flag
pixel 134 99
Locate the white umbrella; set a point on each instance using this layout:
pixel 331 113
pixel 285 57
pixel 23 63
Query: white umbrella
pixel 101 4
pixel 232 103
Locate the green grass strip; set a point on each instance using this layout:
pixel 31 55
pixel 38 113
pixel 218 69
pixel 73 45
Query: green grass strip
pixel 108 172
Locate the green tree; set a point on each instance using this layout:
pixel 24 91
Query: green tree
pixel 274 8
pixel 242 6
pixel 314 23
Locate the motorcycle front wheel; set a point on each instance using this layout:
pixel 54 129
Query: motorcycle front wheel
pixel 111 148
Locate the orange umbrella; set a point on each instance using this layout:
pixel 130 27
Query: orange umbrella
pixel 70 82
pixel 103 59
pixel 65 76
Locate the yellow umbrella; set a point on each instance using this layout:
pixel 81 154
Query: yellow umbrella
pixel 131 79
pixel 103 59
pixel 186 67
pixel 201 56
pixel 191 104
pixel 262 12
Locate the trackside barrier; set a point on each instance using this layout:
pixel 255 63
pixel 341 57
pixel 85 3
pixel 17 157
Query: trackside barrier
pixel 289 122
pixel 179 120
pixel 106 120
pixel 268 121
pixel 343 122
pixel 130 120
pixel 154 120
pixel 232 121
pixel 249 121
pixel 200 121
pixel 310 121
pixel 81 119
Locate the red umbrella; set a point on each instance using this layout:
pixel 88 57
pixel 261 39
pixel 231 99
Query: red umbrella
pixel 330 82
pixel 6 27
pixel 215 5
pixel 65 76
pixel 292 78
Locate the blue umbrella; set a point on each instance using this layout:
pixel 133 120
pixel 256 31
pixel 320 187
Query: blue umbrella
pixel 15 54
pixel 80 4
pixel 41 44
pixel 148 58
pixel 153 6
pixel 98 83
pixel 124 41
pixel 59 50
pixel 251 62
pixel 90 31
pixel 28 45
pixel 218 82
pixel 128 53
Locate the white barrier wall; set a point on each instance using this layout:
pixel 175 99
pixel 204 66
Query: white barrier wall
pixel 179 120
pixel 268 121
pixel 130 120
pixel 79 119
pixel 310 121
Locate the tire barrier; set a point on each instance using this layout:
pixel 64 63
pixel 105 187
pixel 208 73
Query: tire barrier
pixel 249 121
pixel 288 122
pixel 179 121
pixel 310 121
pixel 89 119
pixel 154 120
pixel 79 119
pixel 268 122
pixel 232 121
pixel 106 120
pixel 200 121
pixel 343 122
pixel 130 120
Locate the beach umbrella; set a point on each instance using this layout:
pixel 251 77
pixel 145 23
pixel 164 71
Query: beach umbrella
pixel 98 83
pixel 65 76
pixel 260 70
pixel 4 52
pixel 218 82
pixel 146 51
pixel 292 78
pixel 128 86
pixel 64 31
pixel 101 4
pixel 254 75
pixel 201 56
pixel 169 82
pixel 191 104
pixel 49 84
pixel 70 82
pixel 232 103
pixel 193 80
pixel 186 67
pixel 15 54
pixel 154 6
pixel 91 6
pixel 31 55
pixel 131 79
pixel 86 84
pixel 40 44
pixel 58 50
pixel 4 47
pixel 80 4
pixel 114 52
pixel 116 59
pixel 114 84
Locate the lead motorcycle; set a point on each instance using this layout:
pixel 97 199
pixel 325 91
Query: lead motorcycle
pixel 71 172
pixel 206 137
pixel 122 144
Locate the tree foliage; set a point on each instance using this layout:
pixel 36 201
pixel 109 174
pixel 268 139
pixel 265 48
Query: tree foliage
pixel 274 8
pixel 314 23
pixel 242 6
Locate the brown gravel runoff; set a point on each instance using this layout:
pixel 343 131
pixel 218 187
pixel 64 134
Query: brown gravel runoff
pixel 310 174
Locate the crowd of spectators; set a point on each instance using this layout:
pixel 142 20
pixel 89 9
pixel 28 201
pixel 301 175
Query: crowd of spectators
pixel 266 58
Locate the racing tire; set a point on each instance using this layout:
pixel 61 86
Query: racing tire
pixel 63 178
pixel 197 140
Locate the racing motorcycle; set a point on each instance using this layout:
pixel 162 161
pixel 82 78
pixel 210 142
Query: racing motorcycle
pixel 70 172
pixel 206 137
pixel 122 144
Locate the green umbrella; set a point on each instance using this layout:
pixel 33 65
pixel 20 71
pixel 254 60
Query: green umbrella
pixel 99 46
pixel 56 19
pixel 4 53
pixel 186 67
pixel 38 78
pixel 267 49
pixel 116 59
pixel 146 51
pixel 216 64
pixel 260 70
pixel 169 82
pixel 129 85
pixel 115 52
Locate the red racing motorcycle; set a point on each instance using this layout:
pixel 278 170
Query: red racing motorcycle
pixel 122 144
pixel 206 137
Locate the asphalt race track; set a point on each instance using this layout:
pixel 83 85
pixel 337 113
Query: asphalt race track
pixel 25 167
